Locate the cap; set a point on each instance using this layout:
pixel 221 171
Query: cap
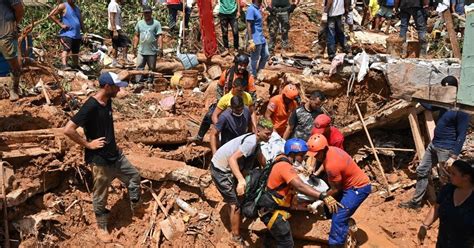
pixel 147 9
pixel 321 122
pixel 111 78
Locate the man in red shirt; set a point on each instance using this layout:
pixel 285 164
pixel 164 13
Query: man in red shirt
pixel 278 194
pixel 347 181
pixel 322 125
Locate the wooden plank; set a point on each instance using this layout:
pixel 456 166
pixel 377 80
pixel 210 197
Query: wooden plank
pixel 415 130
pixel 448 19
pixel 384 178
pixel 430 123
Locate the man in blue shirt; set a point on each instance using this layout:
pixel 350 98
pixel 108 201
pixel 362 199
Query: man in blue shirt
pixel 232 123
pixel 70 35
pixel 449 137
pixel 257 44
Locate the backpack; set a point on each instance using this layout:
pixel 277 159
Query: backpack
pixel 229 76
pixel 256 187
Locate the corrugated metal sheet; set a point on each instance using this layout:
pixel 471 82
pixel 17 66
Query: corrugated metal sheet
pixel 466 89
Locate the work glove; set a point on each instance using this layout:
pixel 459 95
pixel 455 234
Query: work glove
pixel 313 207
pixel 251 47
pixel 241 187
pixel 324 17
pixel 331 203
pixel 422 234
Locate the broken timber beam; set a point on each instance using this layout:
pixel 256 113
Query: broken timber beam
pixel 430 123
pixel 33 143
pixel 159 169
pixel 415 130
pixel 395 111
pixel 156 131
pixel 448 19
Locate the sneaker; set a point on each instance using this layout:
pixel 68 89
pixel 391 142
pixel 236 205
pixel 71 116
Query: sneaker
pixel 196 139
pixel 409 205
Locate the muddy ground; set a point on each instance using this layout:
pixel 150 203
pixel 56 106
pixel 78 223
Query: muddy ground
pixel 381 223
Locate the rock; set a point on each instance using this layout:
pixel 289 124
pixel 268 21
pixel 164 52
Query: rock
pixel 31 225
pixel 392 178
pixel 406 77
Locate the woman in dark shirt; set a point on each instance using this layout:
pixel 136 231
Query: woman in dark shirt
pixel 455 209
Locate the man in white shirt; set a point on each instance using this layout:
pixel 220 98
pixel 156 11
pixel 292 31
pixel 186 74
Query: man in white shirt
pixel 335 9
pixel 119 38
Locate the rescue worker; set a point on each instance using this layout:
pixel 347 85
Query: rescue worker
pixel 238 70
pixel 227 166
pixel 224 102
pixel 279 20
pixel 322 125
pixel 301 119
pixel 280 107
pixel 231 123
pixel 347 182
pixel 277 197
pixel 215 110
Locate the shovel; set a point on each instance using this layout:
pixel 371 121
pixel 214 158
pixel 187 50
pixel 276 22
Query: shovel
pixel 187 59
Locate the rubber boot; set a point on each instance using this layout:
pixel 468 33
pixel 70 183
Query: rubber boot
pixel 14 88
pixel 102 232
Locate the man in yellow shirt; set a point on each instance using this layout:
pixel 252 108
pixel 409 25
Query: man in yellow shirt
pixel 224 102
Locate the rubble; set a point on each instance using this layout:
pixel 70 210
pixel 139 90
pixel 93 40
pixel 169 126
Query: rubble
pixel 159 169
pixel 48 185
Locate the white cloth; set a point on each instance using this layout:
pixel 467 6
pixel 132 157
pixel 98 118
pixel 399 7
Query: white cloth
pixel 274 147
pixel 220 160
pixel 114 7
pixel 321 186
pixel 362 61
pixel 444 5
pixel 337 8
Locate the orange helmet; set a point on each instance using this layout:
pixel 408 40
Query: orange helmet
pixel 290 91
pixel 316 143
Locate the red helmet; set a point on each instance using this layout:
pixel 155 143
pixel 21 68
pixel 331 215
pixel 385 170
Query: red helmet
pixel 316 143
pixel 290 91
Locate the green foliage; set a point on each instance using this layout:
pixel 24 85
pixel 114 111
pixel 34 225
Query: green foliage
pixel 95 19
